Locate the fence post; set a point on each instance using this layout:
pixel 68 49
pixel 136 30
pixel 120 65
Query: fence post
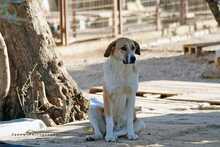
pixel 158 21
pixel 65 22
pixel 115 18
pixel 60 6
pixel 63 30
pixel 74 9
pixel 120 9
pixel 183 11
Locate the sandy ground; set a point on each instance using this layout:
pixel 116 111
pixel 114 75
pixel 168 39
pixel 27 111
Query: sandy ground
pixel 168 123
pixel 87 70
pixel 162 59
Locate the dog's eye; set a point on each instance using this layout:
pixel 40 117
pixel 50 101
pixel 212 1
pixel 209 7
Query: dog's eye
pixel 123 48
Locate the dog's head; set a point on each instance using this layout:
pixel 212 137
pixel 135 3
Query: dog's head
pixel 123 49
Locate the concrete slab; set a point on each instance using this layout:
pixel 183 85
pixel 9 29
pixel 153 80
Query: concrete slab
pixel 20 126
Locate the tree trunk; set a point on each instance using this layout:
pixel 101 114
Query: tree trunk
pixel 4 69
pixel 40 85
pixel 4 73
pixel 214 72
pixel 214 6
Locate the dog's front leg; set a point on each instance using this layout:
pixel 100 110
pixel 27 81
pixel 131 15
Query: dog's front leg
pixel 110 136
pixel 130 117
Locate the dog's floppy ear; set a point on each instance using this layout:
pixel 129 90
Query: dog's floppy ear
pixel 138 49
pixel 109 49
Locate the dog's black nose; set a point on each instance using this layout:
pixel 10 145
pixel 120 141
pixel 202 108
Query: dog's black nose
pixel 133 59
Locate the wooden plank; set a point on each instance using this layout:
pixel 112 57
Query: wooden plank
pixel 201 98
pixel 185 91
pixel 206 44
pixel 196 48
pixel 178 90
pixel 141 92
pixel 179 87
pixel 152 95
pixel 96 89
pixel 171 87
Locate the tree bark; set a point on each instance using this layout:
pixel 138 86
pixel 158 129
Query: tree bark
pixel 40 84
pixel 214 6
pixel 214 72
pixel 4 73
pixel 4 69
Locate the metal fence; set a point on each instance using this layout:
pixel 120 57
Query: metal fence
pixel 90 19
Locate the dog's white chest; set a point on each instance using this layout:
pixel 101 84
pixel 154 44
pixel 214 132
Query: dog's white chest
pixel 120 77
pixel 121 82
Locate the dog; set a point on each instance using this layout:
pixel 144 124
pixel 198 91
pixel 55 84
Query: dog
pixel 116 117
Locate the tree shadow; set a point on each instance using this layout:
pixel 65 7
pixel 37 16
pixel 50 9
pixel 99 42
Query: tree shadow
pixel 170 130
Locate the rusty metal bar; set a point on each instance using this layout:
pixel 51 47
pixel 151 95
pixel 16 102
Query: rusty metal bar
pixel 65 22
pixel 115 18
pixel 74 9
pixel 61 20
pixel 120 17
pixel 183 11
pixel 158 20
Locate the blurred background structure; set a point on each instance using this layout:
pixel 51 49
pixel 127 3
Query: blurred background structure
pixel 80 20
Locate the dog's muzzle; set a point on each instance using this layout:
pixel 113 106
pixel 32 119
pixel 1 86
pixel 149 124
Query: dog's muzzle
pixel 129 59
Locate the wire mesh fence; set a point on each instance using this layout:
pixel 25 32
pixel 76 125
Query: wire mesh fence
pixel 90 19
pixel 199 10
pixel 139 15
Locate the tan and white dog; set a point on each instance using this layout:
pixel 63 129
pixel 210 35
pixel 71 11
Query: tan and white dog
pixel 117 116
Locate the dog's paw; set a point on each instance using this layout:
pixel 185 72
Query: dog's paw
pixel 132 136
pixel 94 137
pixel 110 138
pixel 98 136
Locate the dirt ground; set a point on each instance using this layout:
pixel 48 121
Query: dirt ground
pixel 168 123
pixel 87 70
